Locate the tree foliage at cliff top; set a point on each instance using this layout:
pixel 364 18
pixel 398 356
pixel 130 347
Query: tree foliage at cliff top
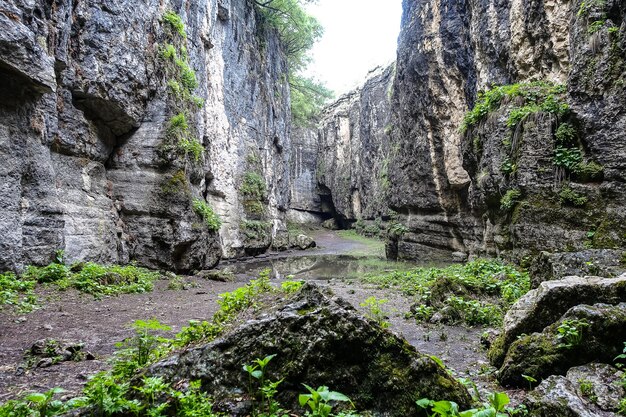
pixel 298 32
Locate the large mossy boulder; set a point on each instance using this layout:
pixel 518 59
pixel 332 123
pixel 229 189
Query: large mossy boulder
pixel 547 303
pixel 593 390
pixel 318 340
pixel 584 334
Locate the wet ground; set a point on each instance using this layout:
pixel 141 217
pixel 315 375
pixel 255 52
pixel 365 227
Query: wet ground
pixel 338 261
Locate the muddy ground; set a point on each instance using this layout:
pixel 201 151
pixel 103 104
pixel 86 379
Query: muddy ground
pixel 100 324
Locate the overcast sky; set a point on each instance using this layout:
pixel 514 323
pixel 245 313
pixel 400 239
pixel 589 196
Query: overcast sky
pixel 358 36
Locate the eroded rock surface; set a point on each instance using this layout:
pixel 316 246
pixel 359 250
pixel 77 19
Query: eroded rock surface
pixel 592 390
pixel 543 306
pixel 584 334
pixel 83 118
pixel 318 340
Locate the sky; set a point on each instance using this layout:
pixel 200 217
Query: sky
pixel 358 36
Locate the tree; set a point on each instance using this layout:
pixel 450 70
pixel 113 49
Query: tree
pixel 298 32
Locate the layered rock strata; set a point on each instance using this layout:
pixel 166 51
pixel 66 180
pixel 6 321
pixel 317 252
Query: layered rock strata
pixel 86 107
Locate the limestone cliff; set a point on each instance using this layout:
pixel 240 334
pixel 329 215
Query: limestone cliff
pixel 354 148
pixel 542 167
pixel 86 109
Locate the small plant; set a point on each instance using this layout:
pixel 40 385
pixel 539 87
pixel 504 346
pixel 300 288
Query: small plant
pixel 211 219
pixel 107 397
pixel 375 311
pixel 423 312
pixel 194 402
pixel 138 350
pixel 267 389
pixel 18 292
pixel 168 52
pixel 570 332
pixel 587 390
pixel 588 171
pixel 175 22
pixel 290 287
pixel 508 167
pixel 191 147
pixel 320 400
pixel 530 381
pixel 569 197
pixel 178 124
pixel 253 186
pixel 510 199
pixel 565 135
pixel 494 408
pixel 568 158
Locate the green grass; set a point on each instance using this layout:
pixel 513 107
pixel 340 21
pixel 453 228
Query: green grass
pixel 369 246
pixel 478 292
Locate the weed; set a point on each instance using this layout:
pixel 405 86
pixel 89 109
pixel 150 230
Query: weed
pixel 569 197
pixel 175 22
pixel 375 311
pixel 570 332
pixel 495 407
pixel 565 134
pixel 191 146
pixel 211 219
pixel 510 199
pixel 18 292
pixel 267 389
pixel 290 287
pixel 137 351
pixel 99 280
pixel 253 186
pixel 107 397
pixel 530 381
pixel 587 390
pixel 474 312
pixel 168 52
pixel 320 400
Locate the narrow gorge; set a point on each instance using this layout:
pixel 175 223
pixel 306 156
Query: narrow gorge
pixel 191 227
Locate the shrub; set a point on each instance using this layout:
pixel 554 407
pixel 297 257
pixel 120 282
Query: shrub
pixel 565 135
pixel 211 219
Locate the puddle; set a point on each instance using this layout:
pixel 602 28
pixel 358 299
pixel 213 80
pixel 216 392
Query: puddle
pixel 316 267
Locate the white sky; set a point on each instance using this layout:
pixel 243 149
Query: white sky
pixel 358 36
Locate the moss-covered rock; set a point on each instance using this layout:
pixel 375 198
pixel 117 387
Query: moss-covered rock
pixel 584 334
pixel 318 340
pixel 547 303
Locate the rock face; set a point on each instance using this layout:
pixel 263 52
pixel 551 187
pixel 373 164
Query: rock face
pixel 543 306
pixel 449 186
pixel 584 334
pixel 318 340
pixel 84 120
pixel 592 390
pixel 354 148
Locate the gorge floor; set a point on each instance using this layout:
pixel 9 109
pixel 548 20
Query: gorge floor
pixel 337 262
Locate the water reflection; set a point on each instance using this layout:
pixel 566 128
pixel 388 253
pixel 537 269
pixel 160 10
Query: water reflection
pixel 320 267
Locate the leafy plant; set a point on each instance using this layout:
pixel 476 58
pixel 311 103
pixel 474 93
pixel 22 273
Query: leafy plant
pixel 253 186
pixel 106 397
pixel 18 292
pixel 568 158
pixel 211 219
pixel 565 135
pixel 267 389
pixel 375 311
pixel 530 381
pixel 587 390
pixel 191 147
pixel 194 402
pixel 320 400
pixel 137 351
pixel 494 408
pixel 570 332
pixel 571 198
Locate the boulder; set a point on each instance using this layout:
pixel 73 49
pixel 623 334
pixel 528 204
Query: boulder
pixel 318 340
pixel 304 242
pixel 601 262
pixel 547 303
pixel 584 334
pixel 592 390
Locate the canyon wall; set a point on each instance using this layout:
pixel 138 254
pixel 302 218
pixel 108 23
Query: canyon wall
pixel 354 148
pixel 499 184
pixel 503 134
pixel 86 125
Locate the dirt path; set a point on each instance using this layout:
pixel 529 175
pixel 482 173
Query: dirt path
pixel 100 324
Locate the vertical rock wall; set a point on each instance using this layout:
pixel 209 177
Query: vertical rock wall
pixel 449 186
pixel 354 148
pixel 83 119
